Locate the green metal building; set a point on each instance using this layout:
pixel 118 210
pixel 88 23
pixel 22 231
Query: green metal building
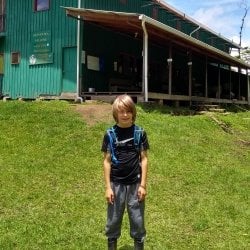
pixel 99 48
pixel 34 43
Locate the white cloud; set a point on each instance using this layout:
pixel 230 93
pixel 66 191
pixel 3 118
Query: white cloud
pixel 218 20
pixel 221 16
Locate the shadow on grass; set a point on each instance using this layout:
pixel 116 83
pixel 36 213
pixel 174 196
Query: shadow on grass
pixel 150 107
pixel 126 247
pixel 164 109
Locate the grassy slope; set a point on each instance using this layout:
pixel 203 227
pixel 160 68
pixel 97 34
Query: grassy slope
pixel 51 194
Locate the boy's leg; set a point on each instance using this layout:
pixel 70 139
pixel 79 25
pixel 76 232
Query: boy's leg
pixel 136 214
pixel 115 212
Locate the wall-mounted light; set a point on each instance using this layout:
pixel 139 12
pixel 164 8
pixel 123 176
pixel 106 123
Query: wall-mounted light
pixel 189 63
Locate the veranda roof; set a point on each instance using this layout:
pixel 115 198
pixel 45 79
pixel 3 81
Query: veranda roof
pixel 131 24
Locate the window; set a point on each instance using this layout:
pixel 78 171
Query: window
pixel 2 15
pixel 155 13
pixel 15 57
pixel 2 7
pixel 41 5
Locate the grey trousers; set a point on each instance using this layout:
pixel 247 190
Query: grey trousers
pixel 125 197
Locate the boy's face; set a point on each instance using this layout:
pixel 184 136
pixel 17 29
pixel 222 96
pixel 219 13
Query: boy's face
pixel 125 118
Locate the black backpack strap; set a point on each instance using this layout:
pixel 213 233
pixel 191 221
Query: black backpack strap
pixel 138 131
pixel 112 142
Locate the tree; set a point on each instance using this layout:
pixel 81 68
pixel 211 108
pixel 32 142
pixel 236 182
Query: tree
pixel 245 54
pixel 244 5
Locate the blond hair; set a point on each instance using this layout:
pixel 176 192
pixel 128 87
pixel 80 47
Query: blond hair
pixel 123 102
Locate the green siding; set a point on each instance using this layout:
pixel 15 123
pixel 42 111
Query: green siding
pixel 27 81
pixel 164 16
pixel 30 81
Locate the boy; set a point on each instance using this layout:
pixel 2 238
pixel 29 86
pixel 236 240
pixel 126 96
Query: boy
pixel 125 163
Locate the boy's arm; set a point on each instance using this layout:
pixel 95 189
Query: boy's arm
pixel 144 170
pixel 107 168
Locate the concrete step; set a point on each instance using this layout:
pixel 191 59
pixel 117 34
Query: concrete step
pixel 204 108
pixel 218 110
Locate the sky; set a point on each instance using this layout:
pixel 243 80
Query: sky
pixel 222 16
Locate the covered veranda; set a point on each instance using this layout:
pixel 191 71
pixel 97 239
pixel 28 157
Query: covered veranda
pixel 193 70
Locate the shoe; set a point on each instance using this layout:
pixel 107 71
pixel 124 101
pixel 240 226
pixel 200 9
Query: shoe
pixel 112 244
pixel 138 244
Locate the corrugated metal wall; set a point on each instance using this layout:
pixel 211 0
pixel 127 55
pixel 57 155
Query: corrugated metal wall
pixel 152 10
pixel 2 41
pixel 24 80
pixel 30 81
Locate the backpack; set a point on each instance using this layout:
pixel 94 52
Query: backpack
pixel 138 131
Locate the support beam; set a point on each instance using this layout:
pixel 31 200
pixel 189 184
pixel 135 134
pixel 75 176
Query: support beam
pixel 218 93
pixel 78 56
pixel 145 61
pixel 239 84
pixel 206 80
pixel 170 70
pixel 248 88
pixel 230 83
pixel 190 80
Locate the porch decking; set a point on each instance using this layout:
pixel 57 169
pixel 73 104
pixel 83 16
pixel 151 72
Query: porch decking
pixel 160 97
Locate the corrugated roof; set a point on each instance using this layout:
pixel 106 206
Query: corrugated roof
pixel 131 23
pixel 187 18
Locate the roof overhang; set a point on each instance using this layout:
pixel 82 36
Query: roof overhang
pixel 189 19
pixel 131 24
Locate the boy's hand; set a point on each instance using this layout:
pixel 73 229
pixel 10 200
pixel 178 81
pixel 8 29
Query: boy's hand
pixel 141 193
pixel 109 195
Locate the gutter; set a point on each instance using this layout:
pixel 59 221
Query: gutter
pixel 78 51
pixel 169 7
pixel 195 30
pixel 145 57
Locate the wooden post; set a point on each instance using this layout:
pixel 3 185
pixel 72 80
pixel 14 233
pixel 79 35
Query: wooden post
pixel 219 83
pixel 239 92
pixel 248 88
pixel 206 80
pixel 190 63
pixel 145 61
pixel 230 83
pixel 170 69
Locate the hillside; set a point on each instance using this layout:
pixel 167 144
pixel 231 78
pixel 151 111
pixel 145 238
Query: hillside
pixel 52 191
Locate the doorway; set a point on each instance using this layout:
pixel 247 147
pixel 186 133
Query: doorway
pixel 69 70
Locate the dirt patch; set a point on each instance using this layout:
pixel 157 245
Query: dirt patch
pixel 93 113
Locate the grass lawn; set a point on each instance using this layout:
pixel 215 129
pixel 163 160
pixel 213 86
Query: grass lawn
pixel 52 191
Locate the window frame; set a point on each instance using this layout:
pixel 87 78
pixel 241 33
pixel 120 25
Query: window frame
pixel 36 9
pixel 15 57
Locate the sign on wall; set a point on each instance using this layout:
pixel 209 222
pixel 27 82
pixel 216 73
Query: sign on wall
pixel 41 58
pixel 41 42
pixel 93 63
pixel 41 48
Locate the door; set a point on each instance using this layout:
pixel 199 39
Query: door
pixel 69 70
